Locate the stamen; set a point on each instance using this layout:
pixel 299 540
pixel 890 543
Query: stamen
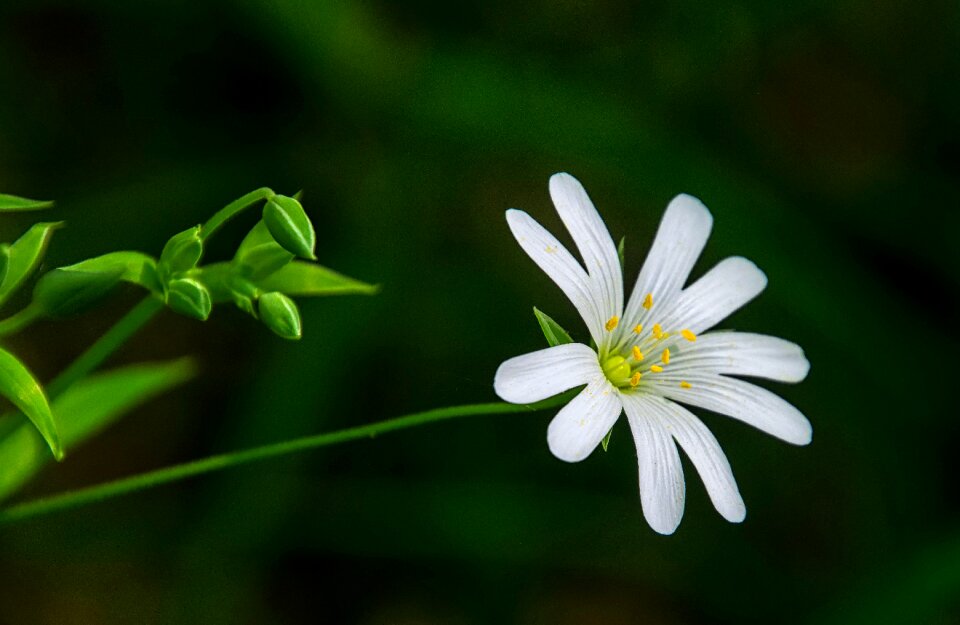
pixel 684 384
pixel 648 301
pixel 612 323
pixel 687 334
pixel 637 329
pixel 637 354
pixel 656 368
pixel 657 331
pixel 665 357
pixel 635 379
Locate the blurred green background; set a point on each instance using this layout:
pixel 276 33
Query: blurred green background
pixel 824 137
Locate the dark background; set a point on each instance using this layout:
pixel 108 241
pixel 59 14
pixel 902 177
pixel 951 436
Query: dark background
pixel 824 137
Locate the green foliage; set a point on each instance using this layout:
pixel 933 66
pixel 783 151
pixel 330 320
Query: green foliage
pixel 290 226
pixel 87 407
pixel 621 251
pixel 552 331
pixel 19 386
pixel 24 256
pixel 259 255
pixel 312 280
pixel 14 203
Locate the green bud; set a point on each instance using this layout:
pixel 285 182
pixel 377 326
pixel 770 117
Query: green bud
pixel 189 297
pixel 182 252
pixel 65 291
pixel 290 226
pixel 280 314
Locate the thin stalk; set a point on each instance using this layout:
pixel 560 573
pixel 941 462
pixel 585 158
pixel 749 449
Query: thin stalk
pixel 20 320
pixel 175 473
pixel 106 345
pixel 233 209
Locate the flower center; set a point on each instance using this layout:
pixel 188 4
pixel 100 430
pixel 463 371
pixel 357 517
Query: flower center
pixel 635 357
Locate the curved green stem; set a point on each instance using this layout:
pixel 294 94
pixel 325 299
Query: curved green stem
pixel 115 337
pixel 233 209
pixel 108 490
pixel 20 320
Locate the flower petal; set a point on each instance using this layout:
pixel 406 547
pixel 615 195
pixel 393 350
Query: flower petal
pixel 545 373
pixel 682 234
pixel 704 452
pixel 580 425
pixel 743 353
pixel 738 399
pixel 729 285
pixel 555 261
pixel 662 489
pixel 593 240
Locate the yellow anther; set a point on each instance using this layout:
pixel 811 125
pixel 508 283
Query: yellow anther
pixel 684 384
pixel 665 357
pixel 612 323
pixel 648 301
pixel 656 368
pixel 637 354
pixel 690 336
pixel 657 331
pixel 637 329
pixel 635 379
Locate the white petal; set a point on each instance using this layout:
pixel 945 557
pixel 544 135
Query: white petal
pixel 705 454
pixel 545 373
pixel 743 353
pixel 580 426
pixel 738 399
pixel 593 240
pixel 662 489
pixel 729 285
pixel 554 259
pixel 683 233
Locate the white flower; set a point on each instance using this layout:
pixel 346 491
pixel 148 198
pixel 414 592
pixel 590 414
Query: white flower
pixel 653 353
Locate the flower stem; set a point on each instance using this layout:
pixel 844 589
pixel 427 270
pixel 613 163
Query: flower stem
pixel 150 479
pixel 116 336
pixel 233 209
pixel 20 320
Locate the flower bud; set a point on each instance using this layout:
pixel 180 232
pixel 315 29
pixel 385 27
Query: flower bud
pixel 279 313
pixel 182 252
pixel 290 226
pixel 189 297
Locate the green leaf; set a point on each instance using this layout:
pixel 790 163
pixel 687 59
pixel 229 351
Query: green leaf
pixel 259 255
pixel 620 253
pixel 606 440
pixel 86 408
pixel 64 292
pixel 14 203
pixel 552 331
pixel 133 267
pixel 19 386
pixel 25 256
pixel 309 279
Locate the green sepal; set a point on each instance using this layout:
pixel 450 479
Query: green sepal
pixel 87 408
pixel 552 331
pixel 279 313
pixel 24 256
pixel 19 386
pixel 310 280
pixel 620 253
pixel 14 203
pixel 181 253
pixel 259 255
pixel 606 440
pixel 291 228
pixel 189 297
pixel 63 292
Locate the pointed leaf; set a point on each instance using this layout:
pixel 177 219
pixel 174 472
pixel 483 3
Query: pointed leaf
pixel 19 386
pixel 259 255
pixel 14 203
pixel 86 408
pixel 621 251
pixel 309 279
pixel 606 440
pixel 552 331
pixel 25 256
